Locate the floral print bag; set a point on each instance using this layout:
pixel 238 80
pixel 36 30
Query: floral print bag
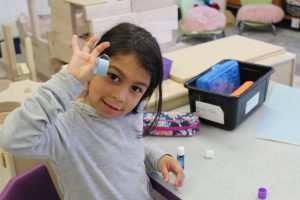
pixel 172 124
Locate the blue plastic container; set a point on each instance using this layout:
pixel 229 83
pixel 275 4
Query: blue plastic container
pixel 222 78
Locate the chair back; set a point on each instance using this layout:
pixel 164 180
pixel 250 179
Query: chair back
pixel 33 184
pixel 245 2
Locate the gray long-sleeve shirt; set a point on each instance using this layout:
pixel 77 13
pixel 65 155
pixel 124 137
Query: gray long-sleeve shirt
pixel 94 158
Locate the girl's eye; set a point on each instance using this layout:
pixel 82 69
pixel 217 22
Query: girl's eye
pixel 113 77
pixel 136 89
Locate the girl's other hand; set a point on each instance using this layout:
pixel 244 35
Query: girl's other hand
pixel 82 62
pixel 168 164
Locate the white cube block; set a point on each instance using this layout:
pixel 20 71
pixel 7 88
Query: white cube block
pixel 163 37
pixel 160 26
pixel 170 12
pixel 85 2
pixel 98 26
pixel 110 8
pixel 209 154
pixel 140 5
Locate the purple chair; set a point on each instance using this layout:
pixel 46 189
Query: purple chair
pixel 33 184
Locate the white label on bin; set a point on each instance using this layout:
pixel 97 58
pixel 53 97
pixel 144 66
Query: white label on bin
pixel 251 103
pixel 210 112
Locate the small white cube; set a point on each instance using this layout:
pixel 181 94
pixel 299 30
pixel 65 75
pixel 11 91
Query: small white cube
pixel 209 154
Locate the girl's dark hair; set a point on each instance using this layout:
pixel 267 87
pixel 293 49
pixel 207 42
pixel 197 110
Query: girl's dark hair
pixel 126 38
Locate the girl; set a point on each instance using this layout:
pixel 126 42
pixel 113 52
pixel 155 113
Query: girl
pixel 95 146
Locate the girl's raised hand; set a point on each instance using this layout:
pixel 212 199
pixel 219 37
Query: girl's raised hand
pixel 82 62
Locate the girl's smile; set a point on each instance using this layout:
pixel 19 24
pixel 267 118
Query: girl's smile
pixel 111 109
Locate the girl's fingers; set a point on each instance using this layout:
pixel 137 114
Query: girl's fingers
pixel 165 173
pixel 75 46
pixel 179 180
pixel 101 47
pixel 90 43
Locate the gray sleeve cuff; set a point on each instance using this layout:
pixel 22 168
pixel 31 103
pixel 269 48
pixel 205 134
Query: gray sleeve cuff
pixel 152 155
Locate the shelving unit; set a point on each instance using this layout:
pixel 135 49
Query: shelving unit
pixel 290 21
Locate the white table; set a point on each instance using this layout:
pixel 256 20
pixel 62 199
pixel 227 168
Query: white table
pixel 241 165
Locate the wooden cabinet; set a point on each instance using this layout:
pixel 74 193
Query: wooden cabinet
pixel 235 3
pixel 277 2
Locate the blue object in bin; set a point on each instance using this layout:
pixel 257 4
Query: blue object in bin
pixel 223 78
pixel 102 64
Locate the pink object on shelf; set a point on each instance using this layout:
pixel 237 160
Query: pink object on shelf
pixel 203 18
pixel 260 13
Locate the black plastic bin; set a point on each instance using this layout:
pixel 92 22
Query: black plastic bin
pixel 226 111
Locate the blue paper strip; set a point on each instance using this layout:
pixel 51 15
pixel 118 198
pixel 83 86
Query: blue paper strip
pixel 281 116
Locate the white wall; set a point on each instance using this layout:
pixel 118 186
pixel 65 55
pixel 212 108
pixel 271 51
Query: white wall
pixel 11 9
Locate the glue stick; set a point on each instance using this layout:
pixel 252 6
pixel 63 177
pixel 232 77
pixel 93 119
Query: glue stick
pixel 180 155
